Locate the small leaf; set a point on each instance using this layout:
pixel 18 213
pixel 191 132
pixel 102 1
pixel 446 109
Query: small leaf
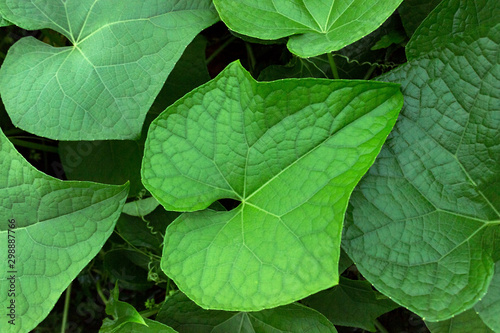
pixel 152 327
pixel 101 86
pixel 141 207
pixel 422 223
pixel 351 303
pixel 185 316
pixel 291 151
pixel 121 312
pixel 60 227
pixel 315 27
pixel 394 37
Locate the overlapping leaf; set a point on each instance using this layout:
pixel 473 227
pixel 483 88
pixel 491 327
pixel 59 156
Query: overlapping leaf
pixel 422 223
pixel 351 303
pixel 126 319
pixel 4 22
pixel 466 322
pixel 413 12
pixel 101 86
pixel 488 308
pixel 315 26
pixel 60 227
pixel 181 313
pixel 120 160
pixel 291 151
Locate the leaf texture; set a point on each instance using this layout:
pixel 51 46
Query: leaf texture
pixel 185 316
pixel 351 303
pixel 315 26
pixel 60 227
pixel 100 87
pixel 291 151
pixel 422 223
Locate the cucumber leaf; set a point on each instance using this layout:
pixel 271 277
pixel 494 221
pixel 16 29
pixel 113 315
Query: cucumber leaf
pixel 422 223
pixel 315 27
pixel 60 227
pixel 185 316
pixel 291 152
pixel 102 86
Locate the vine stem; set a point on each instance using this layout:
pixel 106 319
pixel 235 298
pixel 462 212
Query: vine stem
pixel 66 308
pixel 32 145
pixel 369 73
pixel 251 57
pixel 380 327
pixel 149 313
pixel 219 50
pixel 100 293
pixel 333 66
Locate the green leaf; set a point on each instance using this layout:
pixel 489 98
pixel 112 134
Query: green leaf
pixel 394 37
pixel 351 303
pixel 101 86
pixel 291 151
pixel 413 12
pixel 152 327
pixel 353 61
pixel 344 261
pixel 110 162
pixel 488 308
pixel 422 223
pixel 185 316
pixel 60 227
pixel 4 22
pixel 141 207
pixel 120 161
pixel 189 72
pixel 122 314
pixel 315 27
pixel 466 322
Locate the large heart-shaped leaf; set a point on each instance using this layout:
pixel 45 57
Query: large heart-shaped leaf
pixel 182 314
pixel 59 227
pixel 315 26
pixel 291 151
pixel 422 223
pixel 101 87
